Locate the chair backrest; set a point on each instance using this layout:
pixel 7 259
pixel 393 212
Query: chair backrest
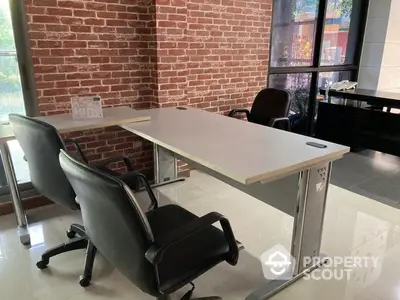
pixel 41 144
pixel 270 103
pixel 113 221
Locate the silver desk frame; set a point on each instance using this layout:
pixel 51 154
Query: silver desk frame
pixel 22 222
pixel 308 210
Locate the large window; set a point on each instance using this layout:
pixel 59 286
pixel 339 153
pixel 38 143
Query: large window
pixel 16 83
pixel 314 42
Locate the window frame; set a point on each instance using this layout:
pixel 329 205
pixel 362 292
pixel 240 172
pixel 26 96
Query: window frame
pixel 316 68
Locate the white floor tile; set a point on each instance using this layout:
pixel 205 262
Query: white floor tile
pixel 354 225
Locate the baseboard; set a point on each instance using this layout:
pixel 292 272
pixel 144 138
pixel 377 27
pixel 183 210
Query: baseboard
pixel 29 203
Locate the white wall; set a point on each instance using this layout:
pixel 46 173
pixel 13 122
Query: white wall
pixel 380 61
pixel 374 44
pixel 389 78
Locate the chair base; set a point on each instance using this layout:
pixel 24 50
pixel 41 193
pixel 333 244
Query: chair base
pixel 80 242
pixel 73 244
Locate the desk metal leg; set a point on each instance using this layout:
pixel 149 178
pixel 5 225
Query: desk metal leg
pixel 165 167
pixel 16 197
pixel 307 228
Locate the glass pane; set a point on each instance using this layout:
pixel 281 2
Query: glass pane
pixel 11 97
pixel 299 86
pixel 338 46
pixel 293 32
pixel 331 77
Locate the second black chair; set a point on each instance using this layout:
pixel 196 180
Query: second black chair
pixel 41 144
pixel 270 108
pixel 160 251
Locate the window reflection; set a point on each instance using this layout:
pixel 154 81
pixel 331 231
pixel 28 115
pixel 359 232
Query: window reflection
pixel 293 33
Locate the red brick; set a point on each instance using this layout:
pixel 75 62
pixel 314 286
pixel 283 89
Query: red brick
pixel 52 60
pixel 97 44
pixel 104 29
pixel 70 4
pixel 101 75
pixel 120 59
pixel 78 76
pixel 53 77
pixel 106 15
pixel 68 83
pixel 45 69
pixel 77 60
pixel 62 52
pixel 45 19
pixel 99 59
pixel 90 82
pixel 84 13
pixel 59 11
pixel 49 3
pixel 108 52
pixel 114 7
pixel 45 85
pixel 71 21
pixel 96 6
pixel 118 44
pixel 88 52
pixel 30 10
pixel 87 37
pixel 57 28
pixel 94 21
pixel 74 44
pixel 54 92
pixel 49 44
pixel 116 23
pixel 67 69
pixel 81 28
pixel 107 37
pixel 100 88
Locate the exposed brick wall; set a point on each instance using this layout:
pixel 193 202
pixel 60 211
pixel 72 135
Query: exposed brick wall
pixel 228 52
pixel 210 54
pixel 102 48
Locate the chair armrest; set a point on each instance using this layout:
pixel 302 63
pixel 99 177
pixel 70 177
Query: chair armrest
pixel 147 187
pixel 276 121
pixel 156 252
pixel 78 148
pixel 233 112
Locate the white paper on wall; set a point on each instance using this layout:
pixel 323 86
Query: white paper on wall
pixel 87 107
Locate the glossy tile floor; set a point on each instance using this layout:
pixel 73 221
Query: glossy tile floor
pixel 354 225
pixel 370 173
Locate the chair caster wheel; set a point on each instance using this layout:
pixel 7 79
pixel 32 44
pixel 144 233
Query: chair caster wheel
pixel 84 281
pixel 42 264
pixel 71 234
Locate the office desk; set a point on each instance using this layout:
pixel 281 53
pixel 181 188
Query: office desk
pixel 261 161
pixel 356 125
pixel 372 97
pixel 63 123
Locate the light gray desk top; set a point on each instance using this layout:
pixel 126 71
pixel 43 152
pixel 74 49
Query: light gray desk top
pixel 112 116
pixel 242 151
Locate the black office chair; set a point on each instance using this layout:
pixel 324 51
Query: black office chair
pixel 159 251
pixel 270 108
pixel 41 144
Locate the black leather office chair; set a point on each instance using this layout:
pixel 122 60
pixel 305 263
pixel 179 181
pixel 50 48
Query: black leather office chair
pixel 159 251
pixel 41 144
pixel 270 108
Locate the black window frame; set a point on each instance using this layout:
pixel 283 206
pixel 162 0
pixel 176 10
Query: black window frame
pixel 315 69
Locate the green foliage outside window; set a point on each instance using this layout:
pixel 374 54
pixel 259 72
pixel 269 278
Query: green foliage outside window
pixel 9 73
